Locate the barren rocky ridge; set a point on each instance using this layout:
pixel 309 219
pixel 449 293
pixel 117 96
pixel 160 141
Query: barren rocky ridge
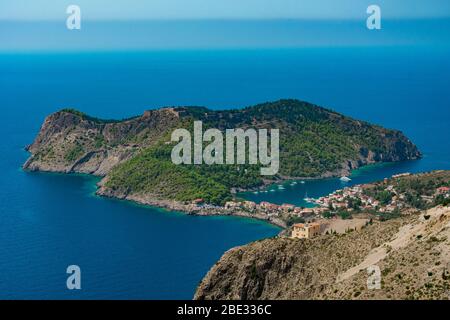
pixel 412 252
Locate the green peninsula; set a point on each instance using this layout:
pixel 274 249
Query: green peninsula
pixel 133 155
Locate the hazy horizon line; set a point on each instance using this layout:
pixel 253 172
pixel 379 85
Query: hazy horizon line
pixel 226 19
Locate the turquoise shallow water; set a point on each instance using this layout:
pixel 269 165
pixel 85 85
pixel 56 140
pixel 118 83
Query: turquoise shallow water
pixel 48 221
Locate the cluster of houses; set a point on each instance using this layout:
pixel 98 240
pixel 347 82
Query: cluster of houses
pixel 271 209
pixel 345 199
pixel 263 209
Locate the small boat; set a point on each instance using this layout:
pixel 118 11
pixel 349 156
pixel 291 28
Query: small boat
pixel 345 179
pixel 308 199
pixel 255 192
pixel 272 190
pixel 280 187
pixel 302 182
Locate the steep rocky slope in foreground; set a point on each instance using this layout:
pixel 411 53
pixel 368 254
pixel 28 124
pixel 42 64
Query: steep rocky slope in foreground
pixel 134 154
pixel 413 254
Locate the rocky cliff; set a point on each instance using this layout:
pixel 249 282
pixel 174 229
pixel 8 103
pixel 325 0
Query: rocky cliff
pixel 413 254
pixel 70 141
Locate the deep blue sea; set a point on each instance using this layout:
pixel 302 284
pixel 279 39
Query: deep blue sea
pixel 50 221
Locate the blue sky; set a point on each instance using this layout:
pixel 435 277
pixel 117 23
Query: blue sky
pixel 220 9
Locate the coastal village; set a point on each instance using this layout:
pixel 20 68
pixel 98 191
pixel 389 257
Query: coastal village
pixel 277 214
pixel 335 213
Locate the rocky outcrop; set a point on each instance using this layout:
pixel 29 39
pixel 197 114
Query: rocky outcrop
pixel 412 254
pixel 70 141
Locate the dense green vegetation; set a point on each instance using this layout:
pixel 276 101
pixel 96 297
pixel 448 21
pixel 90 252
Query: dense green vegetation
pixel 384 197
pixel 313 141
pixel 150 173
pixel 153 172
pixel 441 200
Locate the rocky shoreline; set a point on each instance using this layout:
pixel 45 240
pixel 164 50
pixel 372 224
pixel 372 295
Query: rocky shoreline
pixel 190 209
